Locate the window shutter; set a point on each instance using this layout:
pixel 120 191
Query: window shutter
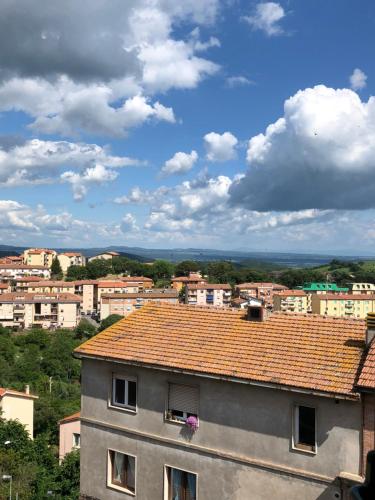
pixel 183 398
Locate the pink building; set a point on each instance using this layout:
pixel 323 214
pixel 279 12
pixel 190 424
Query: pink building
pixel 70 434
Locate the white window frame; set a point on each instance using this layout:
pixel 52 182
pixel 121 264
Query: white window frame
pixel 76 446
pixel 109 473
pixel 166 482
pixel 112 402
pixel 295 429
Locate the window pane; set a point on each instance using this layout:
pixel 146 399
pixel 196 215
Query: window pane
pixel 118 467
pixel 191 486
pixel 307 425
pixel 132 393
pixel 120 391
pixel 177 484
pixel 130 474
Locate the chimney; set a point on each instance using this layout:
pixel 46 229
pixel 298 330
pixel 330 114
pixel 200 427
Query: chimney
pixel 370 328
pixel 259 313
pixel 27 389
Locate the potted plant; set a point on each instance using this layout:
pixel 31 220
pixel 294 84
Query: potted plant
pixel 192 422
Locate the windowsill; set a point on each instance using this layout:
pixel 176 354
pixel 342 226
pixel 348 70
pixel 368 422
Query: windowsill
pixel 119 488
pixel 174 421
pixel 304 449
pixel 126 409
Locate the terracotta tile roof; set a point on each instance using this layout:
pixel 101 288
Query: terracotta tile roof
pixel 310 352
pixel 39 297
pixel 291 293
pixel 130 279
pixel 85 282
pixel 209 286
pixel 344 296
pixel 4 391
pixel 112 284
pixel 367 377
pixel 26 279
pixel 49 283
pixel 16 265
pixel 187 279
pixel 71 418
pixel 4 286
pixel 72 254
pixel 155 294
pixel 274 286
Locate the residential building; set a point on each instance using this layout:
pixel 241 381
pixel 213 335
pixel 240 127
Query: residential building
pixel 208 403
pixel 22 284
pixel 362 288
pixel 69 434
pixel 16 405
pixel 39 257
pixel 316 288
pixel 212 294
pixel 141 282
pixel 44 310
pixel 126 303
pixel 5 288
pixel 11 259
pixel 68 259
pixel 15 271
pixel 88 291
pixel 262 291
pixel 104 256
pixel 193 279
pixel 348 305
pixel 51 286
pixel 290 301
pixel 240 303
pixel 118 286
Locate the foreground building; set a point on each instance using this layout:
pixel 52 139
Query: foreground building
pixel 290 301
pixel 210 294
pixel 43 310
pixel 16 405
pixel 347 305
pixel 69 434
pixel 204 403
pixel 125 303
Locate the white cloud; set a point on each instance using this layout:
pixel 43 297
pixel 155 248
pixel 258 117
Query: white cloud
pixel 94 175
pixel 180 163
pixel 266 18
pixel 220 147
pixel 238 81
pixel 320 154
pixel 128 223
pixel 358 79
pixel 139 196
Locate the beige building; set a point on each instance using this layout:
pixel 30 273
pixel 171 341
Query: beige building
pixel 44 310
pixel 126 303
pixel 261 291
pixel 69 434
pixel 39 257
pixel 53 286
pixel 208 404
pixel 290 301
pixel 88 291
pixel 104 256
pixel 346 305
pixel 12 259
pixel 141 282
pixel 15 405
pixel 193 279
pixel 15 271
pixel 68 259
pixel 362 288
pixel 22 284
pixel 210 294
pixel 115 287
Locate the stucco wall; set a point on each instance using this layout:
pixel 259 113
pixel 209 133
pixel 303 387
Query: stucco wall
pixel 237 419
pixel 18 408
pixel 67 429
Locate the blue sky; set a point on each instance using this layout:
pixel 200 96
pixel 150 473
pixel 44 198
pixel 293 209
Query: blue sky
pixel 217 124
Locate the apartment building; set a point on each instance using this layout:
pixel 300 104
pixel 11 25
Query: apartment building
pixel 118 286
pixel 125 303
pixel 11 259
pixel 348 305
pixel 193 279
pixel 104 256
pixel 206 404
pixel 5 288
pixel 22 284
pixel 262 291
pixel 141 282
pixel 88 291
pixel 15 271
pixel 44 310
pixel 68 259
pixel 69 434
pixel 51 286
pixel 320 288
pixel 219 295
pixel 290 301
pixel 39 257
pixel 16 405
pixel 362 288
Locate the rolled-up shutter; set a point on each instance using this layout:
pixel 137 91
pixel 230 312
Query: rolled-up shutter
pixel 183 398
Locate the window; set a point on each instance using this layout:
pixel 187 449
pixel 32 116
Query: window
pixel 305 428
pixel 121 471
pixel 124 392
pixel 182 402
pixel 181 485
pixel 76 440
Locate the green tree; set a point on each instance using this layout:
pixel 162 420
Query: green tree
pixel 98 268
pixel 56 271
pixel 67 479
pixel 221 272
pixel 161 270
pixel 76 273
pixel 85 329
pixel 109 321
pixel 186 267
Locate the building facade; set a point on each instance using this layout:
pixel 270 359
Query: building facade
pixel 44 310
pixel 261 291
pixel 345 305
pixel 68 259
pixel 104 256
pixel 54 286
pixel 69 435
pixel 209 294
pixel 15 271
pixel 39 257
pixel 207 404
pixel 362 288
pixel 320 288
pixel 290 301
pixel 16 405
pixel 193 279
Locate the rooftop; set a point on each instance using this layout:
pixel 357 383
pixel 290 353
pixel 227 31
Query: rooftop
pixel 11 392
pixel 315 287
pixel 71 418
pixel 209 286
pixel 291 293
pixel 16 265
pixel 367 378
pixel 130 279
pixel 191 278
pixel 345 296
pixel 274 286
pixel 47 283
pixel 38 297
pixel 155 294
pixel 304 352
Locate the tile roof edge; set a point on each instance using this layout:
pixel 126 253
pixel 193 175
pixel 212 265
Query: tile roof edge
pixel 79 353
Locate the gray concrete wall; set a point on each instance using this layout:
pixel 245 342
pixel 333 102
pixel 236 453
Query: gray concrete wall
pixel 250 422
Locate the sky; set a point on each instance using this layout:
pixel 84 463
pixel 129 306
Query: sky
pixel 222 124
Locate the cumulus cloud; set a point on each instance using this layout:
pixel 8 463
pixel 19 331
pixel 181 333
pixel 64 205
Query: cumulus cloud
pixel 140 196
pixel 220 147
pixel 320 154
pixel 358 79
pixel 81 181
pixel 266 18
pixel 180 163
pixel 238 81
pixel 128 223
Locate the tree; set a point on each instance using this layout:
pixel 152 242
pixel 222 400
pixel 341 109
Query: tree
pixel 85 329
pixel 161 270
pixel 76 273
pixel 56 271
pixel 185 267
pixel 67 479
pixel 109 321
pixel 221 272
pixel 98 268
